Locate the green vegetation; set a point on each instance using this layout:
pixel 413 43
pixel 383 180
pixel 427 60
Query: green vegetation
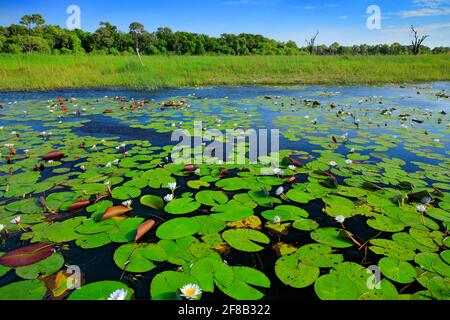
pixel 33 35
pixel 25 72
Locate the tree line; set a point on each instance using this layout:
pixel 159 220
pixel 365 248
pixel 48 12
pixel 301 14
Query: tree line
pixel 32 34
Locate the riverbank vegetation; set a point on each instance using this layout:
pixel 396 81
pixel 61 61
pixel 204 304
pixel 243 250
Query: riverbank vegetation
pixel 26 72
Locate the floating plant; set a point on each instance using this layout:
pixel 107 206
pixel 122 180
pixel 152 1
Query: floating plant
pixel 362 183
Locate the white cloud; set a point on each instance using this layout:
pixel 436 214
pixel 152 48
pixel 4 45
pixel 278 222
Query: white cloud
pixel 422 29
pixel 427 8
pixel 425 12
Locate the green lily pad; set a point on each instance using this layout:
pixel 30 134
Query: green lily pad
pixel 300 196
pixel 245 239
pixel 44 267
pixel 294 273
pixel 245 279
pixel 138 258
pixel 231 212
pixel 332 287
pixel 208 271
pixel 125 193
pixel 182 206
pixel 211 198
pixel 93 241
pixel 125 230
pixel 101 290
pixel 23 290
pixel 332 237
pixel 397 270
pixel 166 285
pixel 177 228
pixel 305 225
pixel 152 201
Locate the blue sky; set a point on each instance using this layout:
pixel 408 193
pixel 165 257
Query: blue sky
pixel 343 21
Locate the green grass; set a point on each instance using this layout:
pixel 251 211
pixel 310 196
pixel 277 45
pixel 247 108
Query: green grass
pixel 26 72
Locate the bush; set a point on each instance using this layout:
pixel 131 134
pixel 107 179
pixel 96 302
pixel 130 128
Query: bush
pixel 114 52
pixel 13 48
pixel 66 51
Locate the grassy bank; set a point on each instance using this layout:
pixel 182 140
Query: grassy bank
pixel 26 72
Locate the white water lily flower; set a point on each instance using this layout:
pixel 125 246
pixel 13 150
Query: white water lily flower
pixel 27 151
pixel 421 208
pixel 292 167
pixel 191 291
pixel 107 183
pixel 118 148
pixel 108 165
pixel 279 191
pixel 277 220
pixel 123 145
pixel 173 124
pixel 127 203
pixel 168 198
pixel 9 145
pixel 437 140
pixel 120 294
pixel 172 186
pixel 16 220
pixel 197 171
pixel 83 168
pixel 94 147
pixel 50 161
pixel 103 141
pixel 13 132
pixel 348 161
pixel 332 163
pixel 2 227
pixel 278 171
pixel 2 127
pixel 340 219
pixel 352 150
pixel 116 161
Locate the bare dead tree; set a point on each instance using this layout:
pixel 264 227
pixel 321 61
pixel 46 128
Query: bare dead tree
pixel 417 40
pixel 137 30
pixel 312 43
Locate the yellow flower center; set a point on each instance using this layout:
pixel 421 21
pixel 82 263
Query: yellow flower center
pixel 190 292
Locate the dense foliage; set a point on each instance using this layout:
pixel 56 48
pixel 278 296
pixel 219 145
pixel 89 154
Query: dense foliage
pixel 33 35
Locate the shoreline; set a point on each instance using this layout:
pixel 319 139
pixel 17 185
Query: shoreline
pixel 219 86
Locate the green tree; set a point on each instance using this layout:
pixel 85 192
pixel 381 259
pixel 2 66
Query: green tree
pixel 105 37
pixel 29 21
